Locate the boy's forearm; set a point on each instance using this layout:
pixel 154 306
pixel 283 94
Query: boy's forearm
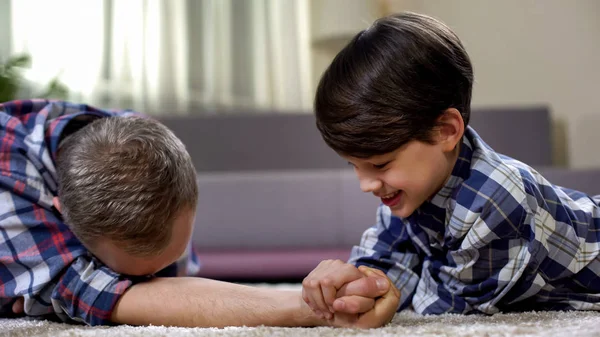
pixel 197 302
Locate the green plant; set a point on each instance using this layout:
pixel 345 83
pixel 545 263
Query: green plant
pixel 11 80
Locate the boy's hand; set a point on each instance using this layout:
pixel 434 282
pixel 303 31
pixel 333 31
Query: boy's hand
pixel 385 307
pixel 335 278
pixel 381 314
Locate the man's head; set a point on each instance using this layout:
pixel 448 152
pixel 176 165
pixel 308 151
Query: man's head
pixel 128 191
pixel 403 84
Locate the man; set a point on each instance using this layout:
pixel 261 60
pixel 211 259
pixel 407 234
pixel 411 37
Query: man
pixel 96 208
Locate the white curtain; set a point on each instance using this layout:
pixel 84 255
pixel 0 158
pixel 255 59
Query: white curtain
pixel 148 65
pixel 172 56
pixel 253 53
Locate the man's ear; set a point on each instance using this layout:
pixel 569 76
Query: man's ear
pixel 451 128
pixel 56 204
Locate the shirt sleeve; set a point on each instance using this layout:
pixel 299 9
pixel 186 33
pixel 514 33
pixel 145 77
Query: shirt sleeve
pixel 88 291
pixel 387 246
pixel 42 261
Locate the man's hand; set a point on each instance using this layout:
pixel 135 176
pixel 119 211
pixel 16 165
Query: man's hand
pixel 381 314
pixel 320 289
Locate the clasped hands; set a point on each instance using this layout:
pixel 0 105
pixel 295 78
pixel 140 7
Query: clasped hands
pixel 345 296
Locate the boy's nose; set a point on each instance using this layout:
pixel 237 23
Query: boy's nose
pixel 369 185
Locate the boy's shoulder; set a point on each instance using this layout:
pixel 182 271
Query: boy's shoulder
pixel 499 181
pixel 493 172
pixel 494 182
pixel 490 193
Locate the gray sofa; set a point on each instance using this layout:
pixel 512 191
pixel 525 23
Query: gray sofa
pixel 275 200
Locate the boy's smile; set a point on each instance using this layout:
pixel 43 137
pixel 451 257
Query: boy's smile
pixel 391 199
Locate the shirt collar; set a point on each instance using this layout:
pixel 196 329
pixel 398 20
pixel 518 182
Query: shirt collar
pixel 55 127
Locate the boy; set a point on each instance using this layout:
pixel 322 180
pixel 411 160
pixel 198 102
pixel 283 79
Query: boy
pixel 461 228
pixel 126 189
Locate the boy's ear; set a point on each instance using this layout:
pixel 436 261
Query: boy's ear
pixel 451 128
pixel 56 204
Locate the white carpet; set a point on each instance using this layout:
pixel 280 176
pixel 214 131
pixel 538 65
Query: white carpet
pixel 404 324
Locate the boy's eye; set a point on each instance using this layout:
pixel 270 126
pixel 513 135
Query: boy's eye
pixel 380 166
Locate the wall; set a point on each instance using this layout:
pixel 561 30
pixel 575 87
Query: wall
pixel 333 23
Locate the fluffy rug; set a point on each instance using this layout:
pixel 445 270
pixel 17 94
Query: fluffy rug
pixel 404 324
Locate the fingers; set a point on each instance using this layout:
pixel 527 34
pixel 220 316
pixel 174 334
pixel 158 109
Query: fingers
pixel 321 285
pixel 317 297
pixel 359 296
pixel 365 312
pixel 309 296
pixel 18 306
pixel 342 274
pixel 312 295
pixel 369 272
pixel 381 314
pixel 373 286
pixel 329 293
pixel 385 306
pixel 353 304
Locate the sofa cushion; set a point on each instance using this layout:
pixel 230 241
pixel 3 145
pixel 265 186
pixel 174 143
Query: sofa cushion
pixel 251 141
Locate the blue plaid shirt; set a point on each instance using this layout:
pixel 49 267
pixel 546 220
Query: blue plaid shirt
pixel 40 258
pixel 496 237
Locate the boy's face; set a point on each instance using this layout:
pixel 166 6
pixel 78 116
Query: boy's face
pixel 412 174
pixel 124 263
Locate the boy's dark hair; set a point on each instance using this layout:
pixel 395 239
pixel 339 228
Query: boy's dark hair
pixel 125 179
pixel 390 84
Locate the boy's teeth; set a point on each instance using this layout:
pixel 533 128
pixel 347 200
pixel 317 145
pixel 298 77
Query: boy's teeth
pixel 390 195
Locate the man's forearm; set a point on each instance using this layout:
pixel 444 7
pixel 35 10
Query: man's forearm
pixel 197 302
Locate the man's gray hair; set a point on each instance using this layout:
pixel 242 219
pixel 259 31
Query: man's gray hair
pixel 125 179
